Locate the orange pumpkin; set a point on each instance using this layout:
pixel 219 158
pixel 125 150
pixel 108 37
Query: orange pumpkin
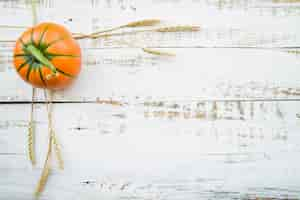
pixel 47 56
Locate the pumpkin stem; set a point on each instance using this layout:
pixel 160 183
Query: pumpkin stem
pixel 37 54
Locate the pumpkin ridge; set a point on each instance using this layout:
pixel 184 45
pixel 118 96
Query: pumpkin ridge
pixel 53 55
pixel 65 73
pixel 53 42
pixel 21 55
pixel 23 43
pixel 29 70
pixel 42 36
pixel 41 76
pixel 24 64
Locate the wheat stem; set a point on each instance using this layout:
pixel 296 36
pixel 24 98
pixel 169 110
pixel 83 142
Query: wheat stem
pixel 12 26
pixel 107 33
pixel 108 30
pixel 146 50
pixel 33 9
pixel 54 138
pixel 7 40
pixel 46 169
pixel 31 123
pixel 52 141
pixel 95 36
pixel 164 29
pixel 294 51
pixel 52 132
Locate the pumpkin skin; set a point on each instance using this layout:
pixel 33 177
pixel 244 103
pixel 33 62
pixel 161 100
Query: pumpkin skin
pixel 60 52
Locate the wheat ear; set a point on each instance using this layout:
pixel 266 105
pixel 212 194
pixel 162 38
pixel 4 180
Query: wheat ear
pixel 140 23
pixel 46 171
pixel 57 152
pixel 52 132
pixel 178 29
pixel 31 129
pixel 156 52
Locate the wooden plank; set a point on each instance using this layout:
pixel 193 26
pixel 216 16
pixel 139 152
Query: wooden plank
pixel 226 123
pixel 182 186
pixel 118 152
pixel 242 23
pixel 130 76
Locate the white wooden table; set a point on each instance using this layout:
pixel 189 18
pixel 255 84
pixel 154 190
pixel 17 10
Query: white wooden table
pixel 221 120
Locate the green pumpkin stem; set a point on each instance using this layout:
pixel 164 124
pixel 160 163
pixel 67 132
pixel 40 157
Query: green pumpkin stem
pixel 37 54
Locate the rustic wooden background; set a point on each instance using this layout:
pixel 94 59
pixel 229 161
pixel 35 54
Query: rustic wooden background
pixel 221 120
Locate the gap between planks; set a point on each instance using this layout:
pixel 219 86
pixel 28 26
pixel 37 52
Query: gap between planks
pixel 125 103
pixel 178 47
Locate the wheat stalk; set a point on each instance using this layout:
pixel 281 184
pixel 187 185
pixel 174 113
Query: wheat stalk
pixel 7 40
pixel 45 173
pixel 294 51
pixel 31 123
pixel 163 29
pixel 46 170
pixel 140 23
pixel 156 52
pixel 286 1
pixel 33 10
pixel 12 26
pixel 146 50
pixel 51 130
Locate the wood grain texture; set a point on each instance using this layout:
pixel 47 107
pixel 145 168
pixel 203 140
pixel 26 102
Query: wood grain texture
pixel 118 152
pixel 218 121
pixel 241 23
pixel 132 76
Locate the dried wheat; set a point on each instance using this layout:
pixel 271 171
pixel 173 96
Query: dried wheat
pixel 156 52
pixel 141 23
pixel 178 29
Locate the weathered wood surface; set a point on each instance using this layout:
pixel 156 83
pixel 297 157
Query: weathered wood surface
pixel 218 121
pixel 130 76
pixel 159 152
